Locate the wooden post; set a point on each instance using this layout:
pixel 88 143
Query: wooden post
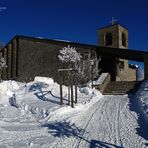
pixel 61 95
pixel 70 87
pixel 76 93
pixel 68 95
pixel 72 101
pixel 146 67
pixel 92 76
pixel 75 82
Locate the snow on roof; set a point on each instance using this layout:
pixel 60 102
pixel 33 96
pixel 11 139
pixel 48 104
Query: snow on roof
pixel 40 37
pixel 133 66
pixel 62 40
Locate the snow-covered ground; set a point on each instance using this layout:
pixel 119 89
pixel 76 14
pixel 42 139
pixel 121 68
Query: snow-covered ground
pixel 142 94
pixel 30 116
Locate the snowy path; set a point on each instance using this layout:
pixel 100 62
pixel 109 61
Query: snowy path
pixel 113 125
pixel 108 123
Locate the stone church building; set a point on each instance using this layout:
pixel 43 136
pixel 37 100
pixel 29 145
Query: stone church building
pixel 116 36
pixel 27 57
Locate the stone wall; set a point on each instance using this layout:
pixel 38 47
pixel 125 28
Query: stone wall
pixel 9 53
pixel 116 31
pixel 40 58
pixel 28 57
pixel 115 38
pixel 127 75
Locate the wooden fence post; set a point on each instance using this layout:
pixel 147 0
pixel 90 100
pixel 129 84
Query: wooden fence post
pixel 76 93
pixel 61 95
pixel 72 101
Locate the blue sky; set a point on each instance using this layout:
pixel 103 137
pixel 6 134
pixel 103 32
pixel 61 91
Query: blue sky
pixel 74 20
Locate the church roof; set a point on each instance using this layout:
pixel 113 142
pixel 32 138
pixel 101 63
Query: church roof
pixel 40 39
pixel 116 24
pixel 130 54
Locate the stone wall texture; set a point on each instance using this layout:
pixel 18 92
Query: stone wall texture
pixel 127 75
pixel 29 57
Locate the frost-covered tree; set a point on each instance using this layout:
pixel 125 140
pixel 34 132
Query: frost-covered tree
pixel 83 66
pixel 69 55
pixel 2 65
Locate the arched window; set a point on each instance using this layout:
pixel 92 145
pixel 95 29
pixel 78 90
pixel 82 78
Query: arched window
pixel 123 39
pixel 108 39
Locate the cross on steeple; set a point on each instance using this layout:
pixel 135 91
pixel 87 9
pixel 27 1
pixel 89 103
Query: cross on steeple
pixel 113 21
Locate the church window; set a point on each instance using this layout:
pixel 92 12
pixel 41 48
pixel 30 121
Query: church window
pixel 108 39
pixel 123 39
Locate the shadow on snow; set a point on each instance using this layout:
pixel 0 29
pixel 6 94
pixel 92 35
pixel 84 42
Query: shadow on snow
pixel 42 95
pixel 100 144
pixel 66 129
pixel 142 130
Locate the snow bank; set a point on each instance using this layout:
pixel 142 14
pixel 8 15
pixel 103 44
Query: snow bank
pixel 42 97
pixel 142 94
pixel 44 79
pixel 86 99
pixel 7 90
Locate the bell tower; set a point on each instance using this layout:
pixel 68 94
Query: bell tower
pixel 114 36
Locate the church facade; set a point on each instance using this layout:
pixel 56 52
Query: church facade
pixel 116 36
pixel 27 57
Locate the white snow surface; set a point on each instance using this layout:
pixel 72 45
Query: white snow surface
pixel 101 79
pixel 31 117
pixel 142 94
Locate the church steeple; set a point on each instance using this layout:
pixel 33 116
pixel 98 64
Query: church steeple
pixel 114 35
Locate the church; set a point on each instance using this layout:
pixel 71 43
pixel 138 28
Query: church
pixel 27 57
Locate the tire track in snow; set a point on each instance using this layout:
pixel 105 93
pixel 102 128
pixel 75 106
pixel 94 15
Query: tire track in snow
pixel 88 121
pixel 104 119
pixel 112 125
pixel 109 125
pixel 113 120
pixel 109 121
pixel 86 117
pixel 117 125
